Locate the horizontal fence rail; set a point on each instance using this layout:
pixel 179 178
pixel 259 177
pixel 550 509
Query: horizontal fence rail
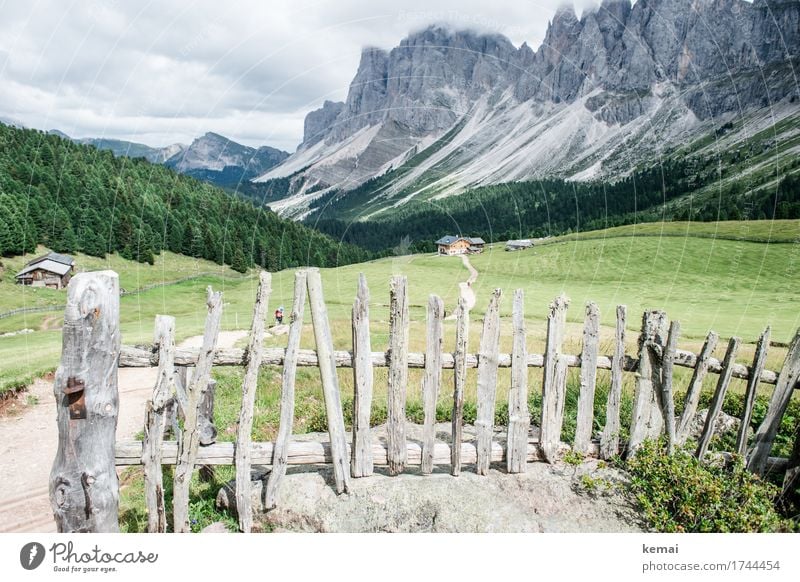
pixel 146 356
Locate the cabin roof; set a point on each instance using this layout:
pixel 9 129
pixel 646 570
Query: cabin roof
pixel 448 240
pixel 55 257
pixel 49 265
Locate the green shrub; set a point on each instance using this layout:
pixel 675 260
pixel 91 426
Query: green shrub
pixel 677 493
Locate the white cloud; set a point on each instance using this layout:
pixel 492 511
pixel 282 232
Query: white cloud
pixel 167 71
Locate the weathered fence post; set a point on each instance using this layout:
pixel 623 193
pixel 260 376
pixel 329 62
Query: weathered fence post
pixel 459 380
pixel 667 366
pixel 609 440
pixel 752 387
pixel 189 442
pixel 647 419
pixel 554 378
pixel 398 374
pixel 84 490
pixel 432 379
pixel 156 424
pixel 488 355
pixel 280 455
pixel 519 418
pixel 695 387
pixel 719 397
pixel 249 385
pixel 765 435
pixel 330 381
pixel 361 462
pixel 585 417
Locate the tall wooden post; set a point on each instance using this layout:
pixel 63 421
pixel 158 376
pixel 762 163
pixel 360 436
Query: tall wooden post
pixel 84 490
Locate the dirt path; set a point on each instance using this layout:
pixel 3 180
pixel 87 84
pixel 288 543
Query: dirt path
pixel 465 287
pixel 28 441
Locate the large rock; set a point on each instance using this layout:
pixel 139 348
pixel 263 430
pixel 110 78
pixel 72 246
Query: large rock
pixel 724 424
pixel 544 499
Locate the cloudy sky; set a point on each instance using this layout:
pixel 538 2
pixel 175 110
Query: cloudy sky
pixel 168 71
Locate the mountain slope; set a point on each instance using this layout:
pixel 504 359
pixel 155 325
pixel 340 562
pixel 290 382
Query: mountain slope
pixel 217 159
pixel 616 89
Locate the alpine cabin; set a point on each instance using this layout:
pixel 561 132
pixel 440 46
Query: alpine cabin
pixel 52 270
pixel 460 245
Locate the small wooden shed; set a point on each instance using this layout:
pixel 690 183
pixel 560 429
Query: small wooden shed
pixel 52 270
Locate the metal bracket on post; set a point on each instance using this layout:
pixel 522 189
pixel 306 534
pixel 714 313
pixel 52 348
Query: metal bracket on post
pixel 76 398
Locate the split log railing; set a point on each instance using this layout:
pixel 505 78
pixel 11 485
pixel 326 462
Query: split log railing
pixel 84 488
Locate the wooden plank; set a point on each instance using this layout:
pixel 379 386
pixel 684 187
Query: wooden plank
pixel 647 419
pixel 398 373
pixel 84 492
pixel 692 399
pixel 145 357
pixel 249 384
pixel 667 401
pixel 330 382
pixel 585 416
pixel 459 380
pixel 519 418
pixel 280 456
pixel 759 358
pixel 432 380
pixel 155 424
pixel 487 382
pixel 609 440
pixel 189 443
pixel 129 453
pixel 361 457
pixel 553 384
pixel 765 435
pixel 719 397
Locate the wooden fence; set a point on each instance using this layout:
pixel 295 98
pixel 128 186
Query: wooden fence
pixel 84 490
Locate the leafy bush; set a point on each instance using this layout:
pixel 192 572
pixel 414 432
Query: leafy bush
pixel 677 493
